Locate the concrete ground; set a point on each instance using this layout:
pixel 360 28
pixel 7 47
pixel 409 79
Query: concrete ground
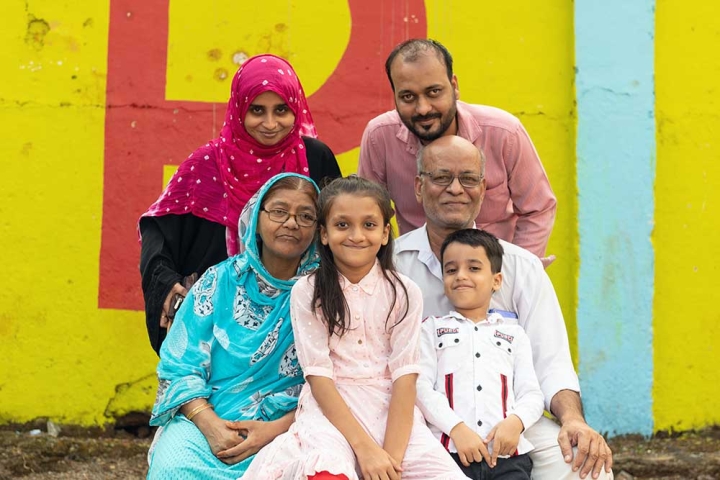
pixel 121 454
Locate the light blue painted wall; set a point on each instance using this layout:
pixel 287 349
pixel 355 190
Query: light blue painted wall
pixel 614 51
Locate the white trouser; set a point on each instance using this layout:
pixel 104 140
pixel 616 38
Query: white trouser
pixel 548 461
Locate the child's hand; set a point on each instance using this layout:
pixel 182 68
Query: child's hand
pixel 506 435
pixel 470 446
pixel 374 463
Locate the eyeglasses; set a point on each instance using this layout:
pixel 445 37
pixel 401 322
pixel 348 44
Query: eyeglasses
pixel 443 179
pixel 303 219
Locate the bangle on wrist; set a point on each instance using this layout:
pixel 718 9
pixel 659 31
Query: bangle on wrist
pixel 197 410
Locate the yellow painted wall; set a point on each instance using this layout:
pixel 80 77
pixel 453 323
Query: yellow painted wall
pixel 687 215
pixel 66 359
pixel 62 357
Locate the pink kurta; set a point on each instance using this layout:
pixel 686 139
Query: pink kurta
pixel 363 364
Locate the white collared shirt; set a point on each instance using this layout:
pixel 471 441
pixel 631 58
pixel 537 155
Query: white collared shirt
pixel 526 292
pixel 476 373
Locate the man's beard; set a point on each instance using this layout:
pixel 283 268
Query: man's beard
pixel 426 136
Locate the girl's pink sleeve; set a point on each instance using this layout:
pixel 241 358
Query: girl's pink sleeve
pixel 311 335
pixel 405 337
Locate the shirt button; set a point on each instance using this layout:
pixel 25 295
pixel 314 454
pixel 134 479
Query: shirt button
pixel 476 329
pixel 477 355
pixel 457 340
pixel 357 317
pixel 479 423
pixel 360 341
pixel 354 289
pixel 439 345
pixel 479 388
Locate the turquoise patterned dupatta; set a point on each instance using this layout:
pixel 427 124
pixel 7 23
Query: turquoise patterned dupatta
pixel 232 340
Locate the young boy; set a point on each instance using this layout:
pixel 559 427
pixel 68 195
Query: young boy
pixel 477 388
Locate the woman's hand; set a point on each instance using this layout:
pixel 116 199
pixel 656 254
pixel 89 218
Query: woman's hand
pixel 219 436
pixel 257 434
pixel 376 464
pixel 165 322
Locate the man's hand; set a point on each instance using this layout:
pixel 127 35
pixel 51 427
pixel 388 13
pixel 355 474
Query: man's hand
pixel 470 447
pixel 593 452
pixel 506 436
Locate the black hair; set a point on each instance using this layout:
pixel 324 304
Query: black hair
pixel 328 296
pixel 477 238
pixel 413 48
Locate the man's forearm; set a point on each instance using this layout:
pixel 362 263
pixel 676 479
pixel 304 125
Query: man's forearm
pixel 566 406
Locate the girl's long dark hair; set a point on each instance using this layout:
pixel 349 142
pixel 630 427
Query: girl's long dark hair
pixel 328 296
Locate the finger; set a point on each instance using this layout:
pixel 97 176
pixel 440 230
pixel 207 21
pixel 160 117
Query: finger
pixel 485 454
pixel 491 435
pixel 493 460
pixel 583 447
pixel 593 457
pixel 565 447
pixel 463 459
pixel 546 261
pixel 477 455
pixel 245 448
pixel 231 460
pixel 238 425
pixel 609 461
pixel 397 466
pixel 602 460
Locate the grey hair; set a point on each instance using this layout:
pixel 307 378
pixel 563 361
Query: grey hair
pixel 421 154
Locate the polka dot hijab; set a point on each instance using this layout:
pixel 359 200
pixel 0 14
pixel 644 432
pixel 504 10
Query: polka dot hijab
pixel 217 180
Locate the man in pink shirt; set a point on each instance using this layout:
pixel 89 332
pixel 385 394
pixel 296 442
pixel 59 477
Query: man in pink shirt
pixel 519 205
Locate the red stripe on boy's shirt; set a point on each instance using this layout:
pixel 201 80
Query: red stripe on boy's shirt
pixel 445 439
pixel 504 390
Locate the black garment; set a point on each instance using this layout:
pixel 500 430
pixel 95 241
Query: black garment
pixel 174 246
pixel 518 467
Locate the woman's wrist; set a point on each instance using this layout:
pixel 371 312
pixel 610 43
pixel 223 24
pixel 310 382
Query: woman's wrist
pixel 197 410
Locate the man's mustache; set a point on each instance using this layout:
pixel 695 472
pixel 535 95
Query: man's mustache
pixel 429 116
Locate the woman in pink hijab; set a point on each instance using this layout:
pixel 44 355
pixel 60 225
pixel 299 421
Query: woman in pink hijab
pixel 268 130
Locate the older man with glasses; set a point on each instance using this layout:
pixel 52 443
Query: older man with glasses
pixel 450 187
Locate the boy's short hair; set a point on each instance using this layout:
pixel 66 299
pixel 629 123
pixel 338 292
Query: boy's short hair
pixel 477 238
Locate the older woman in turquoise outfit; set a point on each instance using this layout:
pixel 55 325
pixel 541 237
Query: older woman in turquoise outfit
pixel 228 373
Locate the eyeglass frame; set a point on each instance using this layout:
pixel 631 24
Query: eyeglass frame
pixel 287 217
pixel 452 178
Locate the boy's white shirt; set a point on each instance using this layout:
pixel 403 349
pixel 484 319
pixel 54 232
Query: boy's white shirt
pixel 449 361
pixel 526 291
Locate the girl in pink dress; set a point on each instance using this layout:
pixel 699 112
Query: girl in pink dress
pixel 357 327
